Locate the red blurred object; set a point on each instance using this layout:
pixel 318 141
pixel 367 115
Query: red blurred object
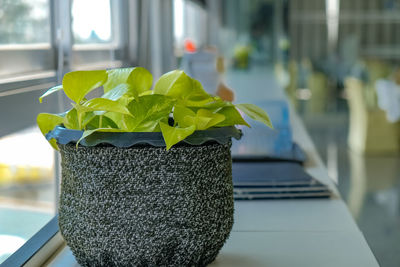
pixel 190 46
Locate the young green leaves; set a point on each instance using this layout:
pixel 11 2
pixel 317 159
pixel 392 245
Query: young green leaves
pixel 232 117
pixel 137 80
pixel 178 85
pixel 78 84
pixel 173 135
pixel 255 113
pixel 50 91
pixel 147 111
pixel 175 84
pixel 48 122
pixel 129 105
pixel 202 119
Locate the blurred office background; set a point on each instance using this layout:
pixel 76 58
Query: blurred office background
pixel 336 60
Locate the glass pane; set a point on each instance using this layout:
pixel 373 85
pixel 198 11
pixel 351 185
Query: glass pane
pixel 190 24
pixel 24 21
pixel 91 21
pixel 26 188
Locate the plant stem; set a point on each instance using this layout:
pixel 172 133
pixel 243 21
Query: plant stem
pixel 79 119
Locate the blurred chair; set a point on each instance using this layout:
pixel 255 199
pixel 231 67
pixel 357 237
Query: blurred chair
pixel 370 175
pixel 318 84
pixel 376 70
pixel 369 131
pixel 289 80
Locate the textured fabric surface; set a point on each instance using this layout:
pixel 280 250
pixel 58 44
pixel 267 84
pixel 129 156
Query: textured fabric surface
pixel 145 206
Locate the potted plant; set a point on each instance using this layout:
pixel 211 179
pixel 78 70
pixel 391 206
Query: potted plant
pixel 146 173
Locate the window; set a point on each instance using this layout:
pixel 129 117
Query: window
pixel 34 47
pixel 25 37
pixel 26 188
pixel 190 22
pixel 24 22
pixel 91 21
pixel 96 28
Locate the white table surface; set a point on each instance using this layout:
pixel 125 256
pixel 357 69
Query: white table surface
pixel 287 233
pixel 302 232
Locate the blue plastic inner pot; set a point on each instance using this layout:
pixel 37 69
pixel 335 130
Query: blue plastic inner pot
pixel 221 135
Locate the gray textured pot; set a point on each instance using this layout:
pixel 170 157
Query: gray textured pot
pixel 145 206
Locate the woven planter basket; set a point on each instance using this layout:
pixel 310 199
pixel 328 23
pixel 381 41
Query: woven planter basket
pixel 144 205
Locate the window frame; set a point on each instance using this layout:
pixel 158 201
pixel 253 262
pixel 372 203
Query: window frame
pixel 38 248
pixel 41 63
pixel 29 61
pixel 38 75
pixel 104 55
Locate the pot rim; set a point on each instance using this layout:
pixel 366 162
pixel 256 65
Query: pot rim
pixel 62 135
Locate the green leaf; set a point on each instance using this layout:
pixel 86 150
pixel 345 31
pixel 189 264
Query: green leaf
pixel 198 103
pixel 103 104
pixel 63 114
pixel 200 122
pixel 211 103
pixel 147 92
pixel 117 92
pixel 147 111
pixel 47 122
pixel 78 84
pixel 90 132
pixel 101 122
pixel 175 84
pixel 255 113
pixel 125 100
pixel 180 113
pixel 182 87
pixel 116 77
pixel 202 119
pixel 198 93
pixel 140 79
pixel 87 118
pixel 215 118
pixel 173 135
pixel 121 120
pixel 232 117
pixel 71 120
pixel 50 91
pixel 217 103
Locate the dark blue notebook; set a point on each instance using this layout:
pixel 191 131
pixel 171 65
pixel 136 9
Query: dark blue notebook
pixel 267 180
